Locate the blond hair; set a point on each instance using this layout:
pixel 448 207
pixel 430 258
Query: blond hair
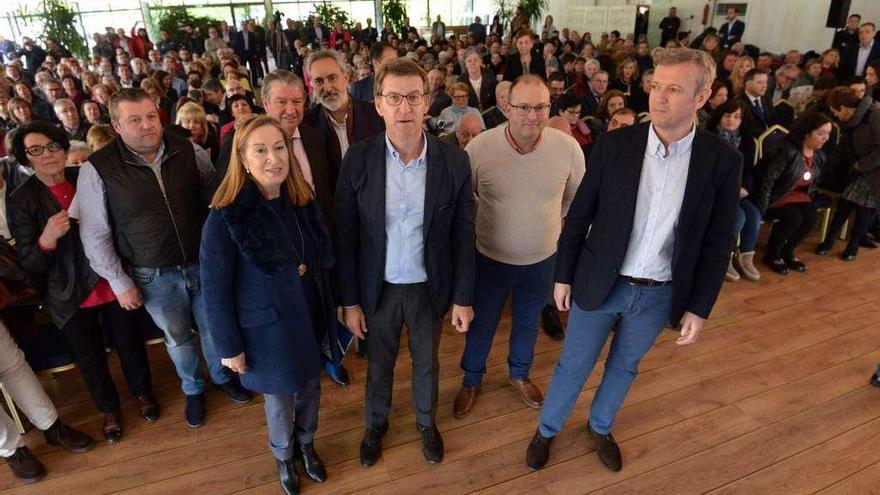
pixel 298 190
pixel 699 58
pixel 100 135
pixel 193 111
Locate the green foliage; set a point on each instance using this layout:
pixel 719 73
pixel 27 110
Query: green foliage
pixel 173 18
pixel 59 23
pixel 533 9
pixel 330 14
pixel 394 11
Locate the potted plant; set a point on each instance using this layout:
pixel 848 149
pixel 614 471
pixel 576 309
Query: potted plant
pixel 59 23
pixel 394 11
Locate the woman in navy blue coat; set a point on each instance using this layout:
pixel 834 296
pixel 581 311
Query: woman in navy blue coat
pixel 265 261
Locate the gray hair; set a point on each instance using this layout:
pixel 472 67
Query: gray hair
pixel 502 87
pixel 280 76
pixel 699 58
pixel 789 68
pixel 61 102
pixel 80 146
pixel 322 54
pixel 472 50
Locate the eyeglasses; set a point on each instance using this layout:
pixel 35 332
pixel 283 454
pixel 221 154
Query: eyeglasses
pixel 527 109
pixel 39 150
pixel 396 99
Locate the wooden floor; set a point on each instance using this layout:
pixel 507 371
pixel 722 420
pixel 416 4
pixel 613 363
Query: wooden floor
pixel 773 399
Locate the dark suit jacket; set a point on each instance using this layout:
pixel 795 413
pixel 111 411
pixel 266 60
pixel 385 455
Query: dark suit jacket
pixel 735 35
pixel 513 67
pixel 598 227
pixel 366 123
pixel 323 174
pixel 243 54
pixel 450 256
pixel 590 104
pixel 850 57
pixel 753 120
pixel 312 36
pixel 363 90
pixel 487 90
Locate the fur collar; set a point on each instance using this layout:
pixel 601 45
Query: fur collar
pixel 259 230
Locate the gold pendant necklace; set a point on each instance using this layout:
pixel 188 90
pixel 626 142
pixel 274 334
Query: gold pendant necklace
pixel 301 269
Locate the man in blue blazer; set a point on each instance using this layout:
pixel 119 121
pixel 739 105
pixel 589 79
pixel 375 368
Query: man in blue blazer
pixel 405 250
pixel 856 57
pixel 645 244
pixel 731 32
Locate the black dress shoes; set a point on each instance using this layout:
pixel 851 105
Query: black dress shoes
pixel 795 264
pixel 149 408
pixel 866 242
pixel 538 451
pixel 371 445
pixel 337 373
pixel 551 322
pixel 288 477
pixel 824 248
pixel 194 410
pixel 71 440
pixel 312 464
pixel 236 392
pixel 777 266
pixel 112 427
pixel 607 449
pixel 875 380
pixel 25 466
pixel 432 443
pixel 849 254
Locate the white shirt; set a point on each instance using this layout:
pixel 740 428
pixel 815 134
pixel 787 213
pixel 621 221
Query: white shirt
pixel 477 85
pixel 4 225
pixel 658 205
pixel 862 60
pixel 341 130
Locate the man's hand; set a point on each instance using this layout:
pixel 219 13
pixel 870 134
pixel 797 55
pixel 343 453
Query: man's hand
pixel 131 299
pixel 462 316
pixel 355 321
pixel 691 326
pixel 562 296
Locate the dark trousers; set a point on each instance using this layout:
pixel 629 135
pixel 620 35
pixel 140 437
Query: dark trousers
pixel 795 221
pixel 84 332
pixel 863 221
pixel 401 304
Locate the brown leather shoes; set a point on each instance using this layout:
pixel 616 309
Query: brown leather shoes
pixel 465 400
pixel 529 392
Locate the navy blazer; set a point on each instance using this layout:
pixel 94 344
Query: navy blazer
pixel 850 57
pixel 734 36
pixel 598 227
pixel 254 298
pixel 363 90
pixel 450 255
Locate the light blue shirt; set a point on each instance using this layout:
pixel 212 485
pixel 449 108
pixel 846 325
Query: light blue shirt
pixel 405 216
pixel 658 205
pixel 862 59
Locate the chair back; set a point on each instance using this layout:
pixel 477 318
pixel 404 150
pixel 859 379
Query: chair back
pixel 770 138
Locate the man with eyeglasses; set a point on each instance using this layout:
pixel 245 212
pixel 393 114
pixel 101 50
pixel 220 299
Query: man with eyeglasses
pixel 780 84
pixel 597 87
pixel 342 119
pixel 405 250
pixel 524 177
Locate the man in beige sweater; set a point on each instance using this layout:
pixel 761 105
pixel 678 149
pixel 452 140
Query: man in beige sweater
pixel 524 177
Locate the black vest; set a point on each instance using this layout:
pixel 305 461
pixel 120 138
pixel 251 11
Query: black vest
pixel 152 229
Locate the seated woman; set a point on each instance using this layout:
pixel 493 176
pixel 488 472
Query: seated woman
pixel 716 99
pixel 191 116
pixel 570 108
pixel 790 173
pixel 453 113
pixel 726 121
pixel 100 135
pixel 627 77
pixel 241 109
pixel 82 304
pixel 93 113
pixel 265 272
pixel 612 101
pixel 858 147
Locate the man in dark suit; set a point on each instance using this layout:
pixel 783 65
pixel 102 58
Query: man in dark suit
pixel 669 26
pixel 848 36
pixel 342 120
pixel 731 32
pixel 368 34
pixel 754 96
pixel 857 57
pixel 597 86
pixel 317 33
pixel 405 251
pixel 246 50
pixel 645 244
pixel 380 53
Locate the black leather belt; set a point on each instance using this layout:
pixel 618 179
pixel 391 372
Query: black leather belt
pixel 644 282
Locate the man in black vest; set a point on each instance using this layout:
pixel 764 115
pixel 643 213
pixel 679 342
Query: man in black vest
pixel 142 202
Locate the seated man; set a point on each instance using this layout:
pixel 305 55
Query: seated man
pixel 24 387
pixel 468 128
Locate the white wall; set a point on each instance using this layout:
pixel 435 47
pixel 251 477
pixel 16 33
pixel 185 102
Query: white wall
pixel 773 25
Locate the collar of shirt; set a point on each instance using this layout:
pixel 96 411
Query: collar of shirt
pixel 392 153
pixel 867 47
pixel 159 153
pixel 516 147
pixel 680 147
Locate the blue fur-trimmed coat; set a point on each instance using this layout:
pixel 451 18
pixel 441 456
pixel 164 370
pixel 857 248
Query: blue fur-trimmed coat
pixel 254 296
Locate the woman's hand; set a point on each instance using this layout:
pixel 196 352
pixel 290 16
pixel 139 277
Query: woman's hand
pixel 56 228
pixel 236 364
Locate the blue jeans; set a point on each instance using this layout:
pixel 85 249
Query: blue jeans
pixel 529 285
pixel 640 313
pixel 171 295
pixel 748 225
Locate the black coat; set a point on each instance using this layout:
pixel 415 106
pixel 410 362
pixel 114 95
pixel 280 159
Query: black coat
pixel 450 255
pixel 753 121
pixel 513 67
pixel 64 275
pixel 598 226
pixel 487 90
pixel 866 147
pixel 779 172
pixel 732 36
pixel 850 57
pixel 366 123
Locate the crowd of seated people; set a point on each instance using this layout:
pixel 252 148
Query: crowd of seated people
pixel 806 124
